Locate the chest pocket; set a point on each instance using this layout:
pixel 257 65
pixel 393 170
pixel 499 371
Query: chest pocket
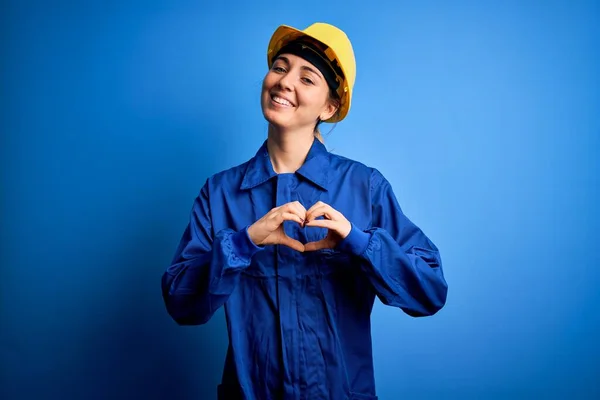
pixel 331 261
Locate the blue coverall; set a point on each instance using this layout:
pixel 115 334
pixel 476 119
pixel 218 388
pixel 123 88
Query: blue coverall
pixel 299 323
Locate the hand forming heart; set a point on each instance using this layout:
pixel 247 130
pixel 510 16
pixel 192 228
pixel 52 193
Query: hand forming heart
pixel 269 229
pixel 338 227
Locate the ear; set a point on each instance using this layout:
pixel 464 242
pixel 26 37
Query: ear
pixel 329 111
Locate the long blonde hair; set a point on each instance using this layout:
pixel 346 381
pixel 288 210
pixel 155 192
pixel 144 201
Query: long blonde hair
pixel 333 97
pixel 318 135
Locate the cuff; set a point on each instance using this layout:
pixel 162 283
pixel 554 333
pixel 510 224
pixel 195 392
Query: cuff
pixel 242 246
pixel 356 242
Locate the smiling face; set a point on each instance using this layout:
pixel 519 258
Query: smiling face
pixel 295 94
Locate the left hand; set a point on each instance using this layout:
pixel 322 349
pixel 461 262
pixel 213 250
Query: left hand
pixel 338 226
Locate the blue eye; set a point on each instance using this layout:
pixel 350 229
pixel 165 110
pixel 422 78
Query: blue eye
pixel 278 69
pixel 307 80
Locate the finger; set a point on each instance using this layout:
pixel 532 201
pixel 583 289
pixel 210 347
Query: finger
pixel 323 223
pixel 292 217
pixel 283 210
pixel 321 244
pixel 325 210
pixel 300 208
pixel 341 227
pixel 286 216
pixel 293 205
pixel 296 209
pixel 292 243
pixel 316 205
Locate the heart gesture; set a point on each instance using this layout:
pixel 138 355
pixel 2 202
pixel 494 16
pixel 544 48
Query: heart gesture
pixel 337 225
pixel 269 229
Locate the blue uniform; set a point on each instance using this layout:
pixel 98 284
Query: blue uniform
pixel 299 323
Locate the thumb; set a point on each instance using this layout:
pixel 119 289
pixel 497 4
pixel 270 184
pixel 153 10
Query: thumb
pixel 321 244
pixel 292 243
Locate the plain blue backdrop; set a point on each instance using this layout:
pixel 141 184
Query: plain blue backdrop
pixel 484 116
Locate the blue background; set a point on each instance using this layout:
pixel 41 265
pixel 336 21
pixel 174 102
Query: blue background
pixel 485 118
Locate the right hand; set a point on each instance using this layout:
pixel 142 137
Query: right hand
pixel 269 229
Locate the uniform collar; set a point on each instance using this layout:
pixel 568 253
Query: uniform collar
pixel 315 167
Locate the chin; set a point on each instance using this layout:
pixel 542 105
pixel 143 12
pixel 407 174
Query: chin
pixel 276 118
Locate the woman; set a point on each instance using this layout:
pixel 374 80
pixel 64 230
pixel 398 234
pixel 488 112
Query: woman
pixel 297 242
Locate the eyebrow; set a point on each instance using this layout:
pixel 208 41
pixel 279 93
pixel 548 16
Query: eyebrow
pixel 304 67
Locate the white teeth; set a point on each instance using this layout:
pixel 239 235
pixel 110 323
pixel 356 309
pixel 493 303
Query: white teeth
pixel 281 101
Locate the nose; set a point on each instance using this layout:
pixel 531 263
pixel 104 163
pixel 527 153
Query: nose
pixel 286 82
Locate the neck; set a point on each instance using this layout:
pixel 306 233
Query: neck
pixel 288 148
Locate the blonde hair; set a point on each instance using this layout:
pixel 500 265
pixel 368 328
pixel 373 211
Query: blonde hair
pixel 318 135
pixel 333 98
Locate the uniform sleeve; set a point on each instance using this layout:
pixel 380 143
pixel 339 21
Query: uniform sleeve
pixel 400 261
pixel 206 266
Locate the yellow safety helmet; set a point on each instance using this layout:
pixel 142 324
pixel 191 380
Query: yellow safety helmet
pixel 337 48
